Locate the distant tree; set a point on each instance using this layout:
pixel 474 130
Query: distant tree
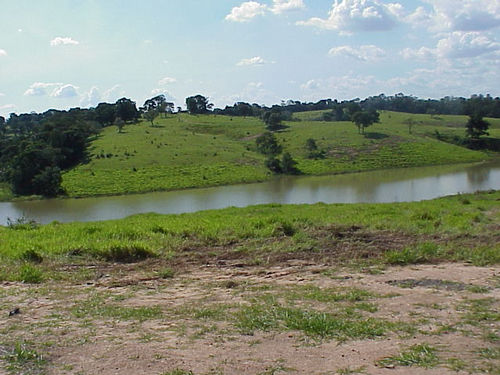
pixel 158 103
pixel 311 144
pixel 151 115
pixel 476 126
pixel 410 122
pixel 288 165
pixel 267 144
pixel 363 119
pixel 2 125
pixel 126 110
pixel 119 124
pixel 272 119
pixel 48 182
pixel 105 113
pixel 198 104
pixel 273 164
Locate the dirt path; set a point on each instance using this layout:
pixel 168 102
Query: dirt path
pixel 252 320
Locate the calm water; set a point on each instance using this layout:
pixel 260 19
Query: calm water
pixel 411 184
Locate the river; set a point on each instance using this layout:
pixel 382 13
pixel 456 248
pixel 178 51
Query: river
pixel 397 185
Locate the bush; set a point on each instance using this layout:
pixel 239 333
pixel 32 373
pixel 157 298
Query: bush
pixel 30 274
pixel 126 253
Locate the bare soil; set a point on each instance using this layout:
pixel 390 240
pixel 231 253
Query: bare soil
pixel 69 325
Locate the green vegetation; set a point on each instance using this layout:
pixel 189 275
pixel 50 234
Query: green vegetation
pixel 444 229
pixel 421 355
pixel 185 151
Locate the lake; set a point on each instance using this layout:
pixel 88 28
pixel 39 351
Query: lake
pixel 397 185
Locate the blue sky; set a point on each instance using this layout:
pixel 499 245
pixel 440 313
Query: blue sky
pixel 68 53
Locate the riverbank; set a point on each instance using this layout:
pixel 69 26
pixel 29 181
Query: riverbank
pixel 396 288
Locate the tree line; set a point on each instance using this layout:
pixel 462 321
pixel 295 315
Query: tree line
pixel 36 147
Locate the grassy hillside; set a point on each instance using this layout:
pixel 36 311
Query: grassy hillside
pixel 185 151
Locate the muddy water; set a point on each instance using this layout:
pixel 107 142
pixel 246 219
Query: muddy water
pixel 398 185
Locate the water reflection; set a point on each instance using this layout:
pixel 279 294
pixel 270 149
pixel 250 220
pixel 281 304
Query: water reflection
pixel 410 184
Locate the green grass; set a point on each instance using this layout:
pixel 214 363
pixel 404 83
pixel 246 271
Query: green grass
pixel 186 151
pixel 421 355
pixel 437 230
pixel 316 324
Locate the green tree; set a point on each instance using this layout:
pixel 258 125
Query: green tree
pixel 198 104
pixel 363 119
pixel 273 164
pixel 126 110
pixel 105 113
pixel 151 115
pixel 272 119
pixel 476 126
pixel 267 144
pixel 288 165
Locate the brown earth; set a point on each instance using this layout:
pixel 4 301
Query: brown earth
pixel 87 329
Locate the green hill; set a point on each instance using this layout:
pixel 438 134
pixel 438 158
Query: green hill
pixel 185 151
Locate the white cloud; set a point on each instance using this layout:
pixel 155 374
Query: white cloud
pixel 367 53
pixel 423 53
pixel 63 41
pixel 462 15
pixel 466 45
pixel 3 52
pixel 91 98
pixel 65 92
pixel 113 94
pixel 280 6
pixel 246 11
pixel 257 60
pixel 7 108
pixel 358 15
pixel 168 96
pixel 457 46
pixel 166 81
pixel 40 88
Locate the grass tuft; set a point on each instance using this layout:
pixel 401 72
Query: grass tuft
pixel 421 355
pixel 126 253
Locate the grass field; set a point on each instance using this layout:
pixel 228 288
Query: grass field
pixel 185 151
pixel 341 289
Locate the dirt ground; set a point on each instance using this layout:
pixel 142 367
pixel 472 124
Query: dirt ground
pixel 129 321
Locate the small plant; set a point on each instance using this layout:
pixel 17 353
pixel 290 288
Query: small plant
pixel 22 223
pixel 421 355
pixel 30 274
pixel 22 357
pixel 126 253
pixel 166 273
pixel 178 371
pixel 32 256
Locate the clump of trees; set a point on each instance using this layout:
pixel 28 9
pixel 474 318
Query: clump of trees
pixel 313 152
pixel 198 104
pixel 268 145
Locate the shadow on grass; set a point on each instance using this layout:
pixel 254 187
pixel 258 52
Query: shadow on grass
pixel 374 135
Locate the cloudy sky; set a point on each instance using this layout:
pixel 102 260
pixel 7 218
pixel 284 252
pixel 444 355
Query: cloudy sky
pixel 68 53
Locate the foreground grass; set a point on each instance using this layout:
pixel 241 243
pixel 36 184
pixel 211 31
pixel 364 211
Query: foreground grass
pixel 461 228
pixel 185 151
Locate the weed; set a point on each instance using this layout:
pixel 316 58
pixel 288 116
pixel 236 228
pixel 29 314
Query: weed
pixel 349 370
pixel 32 256
pixel 30 274
pixel 422 253
pixel 456 364
pixel 314 324
pixel 177 371
pixel 126 253
pixel 490 353
pixel 421 355
pixel 22 358
pixel 166 273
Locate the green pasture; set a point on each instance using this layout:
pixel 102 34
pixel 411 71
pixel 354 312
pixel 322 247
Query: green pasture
pixel 185 151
